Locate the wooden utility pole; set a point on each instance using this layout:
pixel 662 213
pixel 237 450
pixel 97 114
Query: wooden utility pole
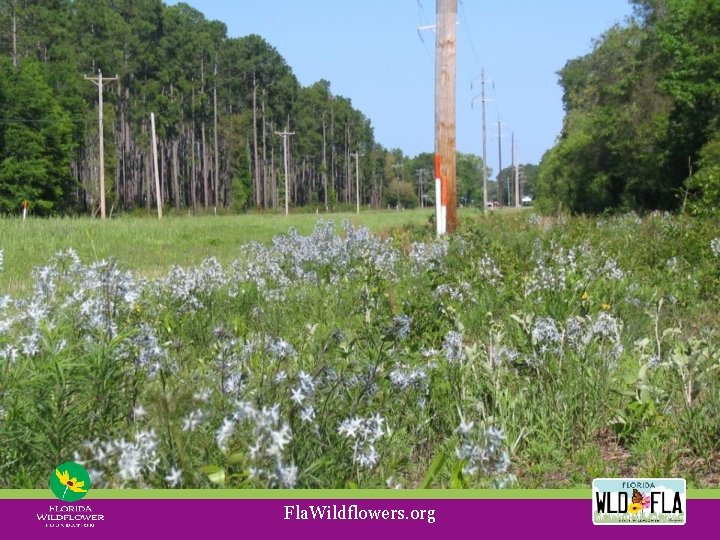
pixel 445 59
pixel 484 145
pixel 485 179
pixel 421 186
pixel 516 169
pixel 484 134
pixel 156 171
pixel 285 134
pixel 100 81
pixel 501 185
pixel 398 166
pixel 357 180
pixel 511 180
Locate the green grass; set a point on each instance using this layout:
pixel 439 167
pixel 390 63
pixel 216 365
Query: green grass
pixel 150 247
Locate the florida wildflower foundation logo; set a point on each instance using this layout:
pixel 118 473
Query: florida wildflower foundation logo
pixel 639 501
pixel 70 482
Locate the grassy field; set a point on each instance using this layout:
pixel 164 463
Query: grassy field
pixel 151 247
pixel 524 351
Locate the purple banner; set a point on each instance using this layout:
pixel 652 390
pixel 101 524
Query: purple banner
pixel 318 519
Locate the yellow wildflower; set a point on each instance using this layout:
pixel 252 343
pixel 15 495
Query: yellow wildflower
pixel 70 483
pixel 634 508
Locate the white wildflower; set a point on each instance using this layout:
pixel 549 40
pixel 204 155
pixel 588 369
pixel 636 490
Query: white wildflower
pixel 174 478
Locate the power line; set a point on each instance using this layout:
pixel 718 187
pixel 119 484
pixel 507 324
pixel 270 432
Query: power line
pixel 467 29
pixel 423 25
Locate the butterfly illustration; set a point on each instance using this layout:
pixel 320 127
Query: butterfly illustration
pixel 637 497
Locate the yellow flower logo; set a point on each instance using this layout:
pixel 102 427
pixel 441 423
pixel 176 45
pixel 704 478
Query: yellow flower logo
pixel 635 508
pixel 69 482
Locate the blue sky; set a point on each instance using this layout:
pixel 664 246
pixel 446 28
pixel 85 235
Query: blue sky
pixel 371 52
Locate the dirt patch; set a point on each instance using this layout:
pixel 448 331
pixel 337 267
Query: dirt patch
pixel 613 453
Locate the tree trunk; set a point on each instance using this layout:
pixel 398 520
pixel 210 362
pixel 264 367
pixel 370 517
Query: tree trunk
pixel 347 163
pixel 176 183
pixel 206 188
pixel 332 146
pixel 273 178
pixel 264 158
pixel 255 144
pixel 215 135
pixel 193 172
pixel 324 167
pixel 14 35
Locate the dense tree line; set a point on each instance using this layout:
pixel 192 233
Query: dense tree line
pixel 219 102
pixel 642 129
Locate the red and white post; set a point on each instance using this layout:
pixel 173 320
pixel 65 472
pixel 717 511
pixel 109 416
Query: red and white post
pixel 440 199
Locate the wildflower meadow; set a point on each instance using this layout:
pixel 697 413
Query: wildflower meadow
pixel 525 351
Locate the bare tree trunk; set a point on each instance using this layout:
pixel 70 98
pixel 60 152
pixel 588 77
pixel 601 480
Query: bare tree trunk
pixel 347 163
pixel 264 151
pixel 332 146
pixel 273 178
pixel 148 181
pixel 215 135
pixel 176 183
pixel 120 184
pixel 250 164
pixel 162 166
pixel 324 167
pixel 193 172
pixel 206 188
pixel 14 34
pixel 255 144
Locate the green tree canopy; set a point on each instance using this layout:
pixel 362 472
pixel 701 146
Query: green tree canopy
pixel 35 141
pixel 639 109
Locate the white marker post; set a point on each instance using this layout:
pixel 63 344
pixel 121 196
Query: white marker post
pixel 440 198
pixel 438 207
